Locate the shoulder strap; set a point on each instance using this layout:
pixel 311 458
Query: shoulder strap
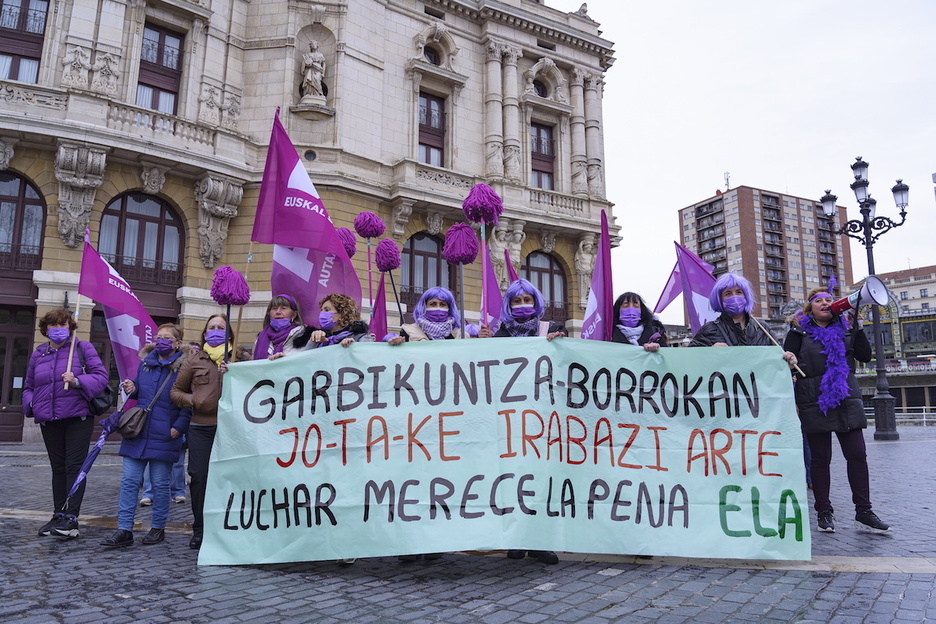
pixel 158 392
pixel 81 357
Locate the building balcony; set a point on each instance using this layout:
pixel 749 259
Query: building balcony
pixel 772 227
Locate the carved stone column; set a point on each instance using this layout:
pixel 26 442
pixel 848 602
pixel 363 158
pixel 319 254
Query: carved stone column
pixel 494 113
pixel 402 209
pixel 79 169
pixel 218 198
pixel 593 140
pixel 512 169
pixel 579 174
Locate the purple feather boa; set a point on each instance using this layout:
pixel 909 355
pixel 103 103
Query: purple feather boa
pixel 833 389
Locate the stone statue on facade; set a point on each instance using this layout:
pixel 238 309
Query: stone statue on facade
pixel 313 71
pixel 497 244
pixel 584 266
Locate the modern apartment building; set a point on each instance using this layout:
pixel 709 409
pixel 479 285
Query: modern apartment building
pixel 148 122
pixel 782 244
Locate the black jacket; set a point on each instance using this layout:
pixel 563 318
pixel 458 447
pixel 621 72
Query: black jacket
pixel 653 327
pixel 849 414
pixel 723 329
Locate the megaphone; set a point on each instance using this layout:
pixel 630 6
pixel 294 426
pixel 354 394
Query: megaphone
pixel 873 290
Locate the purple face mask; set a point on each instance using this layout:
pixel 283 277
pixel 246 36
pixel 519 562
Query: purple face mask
pixel 280 324
pixel 437 315
pixel 164 346
pixel 58 335
pixel 327 320
pixel 522 312
pixel 734 305
pixel 215 337
pixel 630 317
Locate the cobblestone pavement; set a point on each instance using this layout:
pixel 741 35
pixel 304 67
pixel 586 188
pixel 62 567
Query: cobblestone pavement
pixel 853 576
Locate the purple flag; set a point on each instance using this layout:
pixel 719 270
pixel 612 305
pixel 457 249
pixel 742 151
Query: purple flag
pixel 378 317
pixel 697 282
pixel 309 258
pixel 129 325
pixel 491 306
pixel 511 272
pixel 598 322
pixel 672 290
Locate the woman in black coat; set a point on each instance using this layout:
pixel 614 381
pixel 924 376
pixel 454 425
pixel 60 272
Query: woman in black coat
pixel 635 324
pixel 829 400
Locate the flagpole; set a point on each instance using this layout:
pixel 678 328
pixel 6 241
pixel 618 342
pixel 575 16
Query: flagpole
pixel 240 310
pixel 774 340
pixel 396 295
pixel 71 347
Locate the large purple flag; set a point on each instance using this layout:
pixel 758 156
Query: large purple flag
pixel 309 259
pixel 598 322
pixel 697 282
pixel 129 325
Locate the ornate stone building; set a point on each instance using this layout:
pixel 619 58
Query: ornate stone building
pixel 148 121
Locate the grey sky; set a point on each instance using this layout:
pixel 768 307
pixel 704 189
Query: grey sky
pixel 783 96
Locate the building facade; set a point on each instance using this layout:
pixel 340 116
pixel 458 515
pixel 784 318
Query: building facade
pixel 782 244
pixel 147 121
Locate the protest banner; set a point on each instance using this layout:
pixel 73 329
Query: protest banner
pixel 568 445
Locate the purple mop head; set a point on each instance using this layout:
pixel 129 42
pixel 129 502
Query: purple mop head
pixel 483 205
pixel 348 240
pixel 369 225
pixel 461 244
pixel 229 287
pixel 387 255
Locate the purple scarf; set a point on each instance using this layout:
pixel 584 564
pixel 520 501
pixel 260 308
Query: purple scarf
pixel 268 337
pixel 833 388
pixel 334 339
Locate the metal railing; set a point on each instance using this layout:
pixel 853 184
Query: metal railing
pixel 924 416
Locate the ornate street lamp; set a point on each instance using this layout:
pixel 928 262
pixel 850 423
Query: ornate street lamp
pixel 867 230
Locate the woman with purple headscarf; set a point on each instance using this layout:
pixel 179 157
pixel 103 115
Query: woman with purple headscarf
pixel 521 312
pixel 828 400
pixel 435 317
pixel 281 325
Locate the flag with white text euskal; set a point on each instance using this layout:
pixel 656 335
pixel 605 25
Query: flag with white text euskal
pixel 309 260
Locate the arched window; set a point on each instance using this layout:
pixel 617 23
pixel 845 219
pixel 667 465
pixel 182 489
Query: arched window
pixel 142 237
pixel 22 217
pixel 422 267
pixel 22 220
pixel 545 272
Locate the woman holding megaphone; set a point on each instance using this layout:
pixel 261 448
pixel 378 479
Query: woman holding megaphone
pixel 828 399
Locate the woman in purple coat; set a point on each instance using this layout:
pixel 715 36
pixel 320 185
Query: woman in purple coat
pixel 160 441
pixel 57 396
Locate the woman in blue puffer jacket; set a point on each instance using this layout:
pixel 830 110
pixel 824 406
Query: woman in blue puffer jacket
pixel 63 413
pixel 159 443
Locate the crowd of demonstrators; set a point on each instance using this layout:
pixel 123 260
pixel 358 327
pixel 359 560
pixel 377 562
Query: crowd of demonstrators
pixel 159 443
pixel 184 384
pixel 62 376
pixel 828 401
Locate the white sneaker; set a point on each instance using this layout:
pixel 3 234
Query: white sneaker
pixel 178 499
pixel 146 502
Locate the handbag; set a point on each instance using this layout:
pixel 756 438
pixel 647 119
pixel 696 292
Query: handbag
pixel 103 400
pixel 133 420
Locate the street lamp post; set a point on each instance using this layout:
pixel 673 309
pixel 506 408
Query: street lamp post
pixel 867 230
